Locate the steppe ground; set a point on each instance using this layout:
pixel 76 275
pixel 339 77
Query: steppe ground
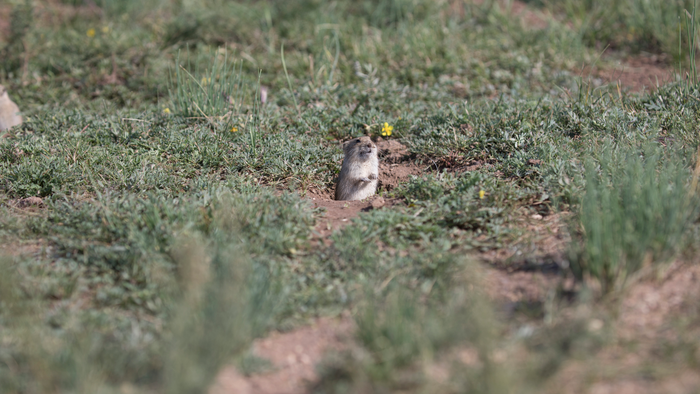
pixel 166 213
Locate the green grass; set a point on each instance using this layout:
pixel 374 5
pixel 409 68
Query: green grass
pixel 170 240
pixel 634 213
pixel 207 94
pixel 651 26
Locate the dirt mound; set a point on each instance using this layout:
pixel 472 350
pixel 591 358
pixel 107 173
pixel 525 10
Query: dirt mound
pixel 391 175
pixel 395 166
pixel 391 151
pixel 338 214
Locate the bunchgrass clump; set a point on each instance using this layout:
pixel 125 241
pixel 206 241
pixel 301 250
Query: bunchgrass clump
pixel 215 93
pixel 416 330
pixel 636 207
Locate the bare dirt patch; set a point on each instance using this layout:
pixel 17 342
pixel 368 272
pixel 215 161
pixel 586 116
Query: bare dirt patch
pixel 531 18
pixel 48 13
pixel 54 12
pixel 391 151
pixel 683 383
pixel 529 269
pixel 338 214
pixel 545 238
pixel 5 12
pixel 34 248
pixel 294 356
pixel 637 74
pixel 392 175
pixel 395 166
pixel 658 322
pixel 24 208
pixel 25 203
pixel 648 307
pixel 518 286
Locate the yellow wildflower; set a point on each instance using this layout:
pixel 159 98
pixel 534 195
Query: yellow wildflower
pixel 386 130
pixel 234 129
pixel 482 194
pixel 166 110
pixel 91 33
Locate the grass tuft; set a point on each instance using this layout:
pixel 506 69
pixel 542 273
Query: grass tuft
pixel 215 94
pixel 636 208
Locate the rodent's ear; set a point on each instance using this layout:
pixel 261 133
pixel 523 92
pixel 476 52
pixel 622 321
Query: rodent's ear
pixel 347 143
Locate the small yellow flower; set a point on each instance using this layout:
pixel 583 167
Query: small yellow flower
pixel 205 81
pixel 91 33
pixel 166 110
pixel 234 129
pixel 482 194
pixel 105 29
pixel 386 130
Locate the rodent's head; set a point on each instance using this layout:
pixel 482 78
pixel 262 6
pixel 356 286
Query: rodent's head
pixel 363 147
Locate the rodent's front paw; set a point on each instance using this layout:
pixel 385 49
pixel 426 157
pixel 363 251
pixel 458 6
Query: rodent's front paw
pixel 373 176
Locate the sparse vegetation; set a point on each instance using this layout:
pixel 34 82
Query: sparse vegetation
pixel 156 216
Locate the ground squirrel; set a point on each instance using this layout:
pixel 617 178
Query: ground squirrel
pixel 358 176
pixel 9 112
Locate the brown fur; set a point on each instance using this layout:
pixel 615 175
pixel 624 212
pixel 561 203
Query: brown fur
pixel 9 112
pixel 360 170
